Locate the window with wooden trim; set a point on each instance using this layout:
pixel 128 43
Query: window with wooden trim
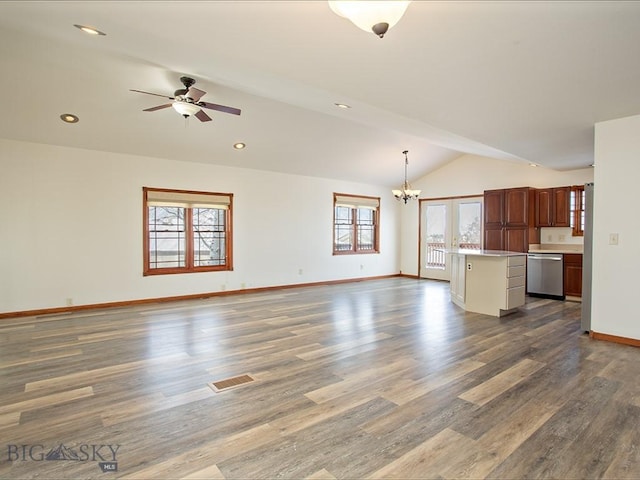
pixel 186 231
pixel 356 224
pixel 576 210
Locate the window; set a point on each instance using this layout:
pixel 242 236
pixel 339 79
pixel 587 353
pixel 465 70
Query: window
pixel 186 231
pixel 576 210
pixel 355 224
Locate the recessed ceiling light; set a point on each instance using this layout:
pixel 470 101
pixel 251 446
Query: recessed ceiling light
pixel 533 165
pixel 89 30
pixel 342 105
pixel 69 118
pixel 239 145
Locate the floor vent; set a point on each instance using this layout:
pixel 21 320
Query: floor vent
pixel 229 383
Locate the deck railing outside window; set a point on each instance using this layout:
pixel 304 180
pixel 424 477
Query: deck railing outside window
pixel 436 256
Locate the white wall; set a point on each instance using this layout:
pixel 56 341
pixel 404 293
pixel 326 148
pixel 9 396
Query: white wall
pixel 615 267
pixel 70 227
pixel 472 175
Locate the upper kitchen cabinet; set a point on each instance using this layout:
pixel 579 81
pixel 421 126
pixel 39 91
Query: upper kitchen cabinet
pixel 516 207
pixel 552 207
pixel 494 209
pixel 509 219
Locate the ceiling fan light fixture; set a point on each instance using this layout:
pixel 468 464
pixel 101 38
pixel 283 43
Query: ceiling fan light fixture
pixel 185 109
pixel 186 101
pixel 377 16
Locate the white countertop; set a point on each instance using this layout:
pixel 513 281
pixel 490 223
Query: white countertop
pixel 482 253
pixel 556 248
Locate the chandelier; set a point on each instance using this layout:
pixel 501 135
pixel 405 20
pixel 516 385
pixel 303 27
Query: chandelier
pixel 377 16
pixel 406 193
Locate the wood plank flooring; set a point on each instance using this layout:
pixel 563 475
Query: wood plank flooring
pixel 374 379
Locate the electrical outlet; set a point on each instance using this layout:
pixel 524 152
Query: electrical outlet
pixel 300 271
pixel 549 238
pixel 69 302
pixel 242 286
pixel 469 266
pixel 562 238
pixel 223 287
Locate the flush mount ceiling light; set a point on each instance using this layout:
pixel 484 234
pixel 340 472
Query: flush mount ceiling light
pixel 406 193
pixel 377 16
pixel 239 145
pixel 69 118
pixel 185 108
pixel 89 30
pixel 342 105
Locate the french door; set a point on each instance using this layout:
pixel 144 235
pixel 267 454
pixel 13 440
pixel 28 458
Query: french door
pixel 447 223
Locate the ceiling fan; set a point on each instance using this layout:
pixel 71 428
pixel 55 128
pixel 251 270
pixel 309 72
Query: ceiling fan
pixel 186 101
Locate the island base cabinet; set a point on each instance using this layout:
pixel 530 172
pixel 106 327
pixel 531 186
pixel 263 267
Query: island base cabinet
pixel 515 297
pixel 457 283
pixel 494 285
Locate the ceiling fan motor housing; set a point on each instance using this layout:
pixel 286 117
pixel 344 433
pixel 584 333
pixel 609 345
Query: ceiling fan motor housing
pixel 182 92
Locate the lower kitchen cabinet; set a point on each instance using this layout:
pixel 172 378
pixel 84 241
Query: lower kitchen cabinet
pixel 573 274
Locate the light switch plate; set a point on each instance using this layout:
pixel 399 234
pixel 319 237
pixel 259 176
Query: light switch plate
pixel 613 239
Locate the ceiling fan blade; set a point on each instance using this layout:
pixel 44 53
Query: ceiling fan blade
pixel 219 108
pixel 195 94
pixel 203 117
pixel 159 107
pixel 156 94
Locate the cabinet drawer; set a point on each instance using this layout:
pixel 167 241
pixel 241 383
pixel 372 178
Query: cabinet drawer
pixel 518 271
pixel 515 297
pixel 515 281
pixel 517 260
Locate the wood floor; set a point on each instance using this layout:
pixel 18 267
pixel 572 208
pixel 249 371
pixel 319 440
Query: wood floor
pixel 375 379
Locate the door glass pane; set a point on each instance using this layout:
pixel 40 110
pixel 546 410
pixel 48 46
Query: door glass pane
pixel 436 216
pixel 469 227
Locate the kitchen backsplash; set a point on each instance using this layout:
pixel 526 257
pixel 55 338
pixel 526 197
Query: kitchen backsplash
pixel 558 235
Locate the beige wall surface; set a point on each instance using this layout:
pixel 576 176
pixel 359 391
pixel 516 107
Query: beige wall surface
pixel 71 228
pixel 615 267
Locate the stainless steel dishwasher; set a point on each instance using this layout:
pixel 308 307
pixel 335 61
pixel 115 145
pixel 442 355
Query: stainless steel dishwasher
pixel 544 275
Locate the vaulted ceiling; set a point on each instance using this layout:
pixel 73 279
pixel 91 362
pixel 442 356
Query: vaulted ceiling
pixel 521 81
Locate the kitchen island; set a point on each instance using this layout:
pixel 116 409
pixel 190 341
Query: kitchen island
pixel 488 281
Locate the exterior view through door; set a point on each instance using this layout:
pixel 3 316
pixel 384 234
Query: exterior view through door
pixel 447 223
